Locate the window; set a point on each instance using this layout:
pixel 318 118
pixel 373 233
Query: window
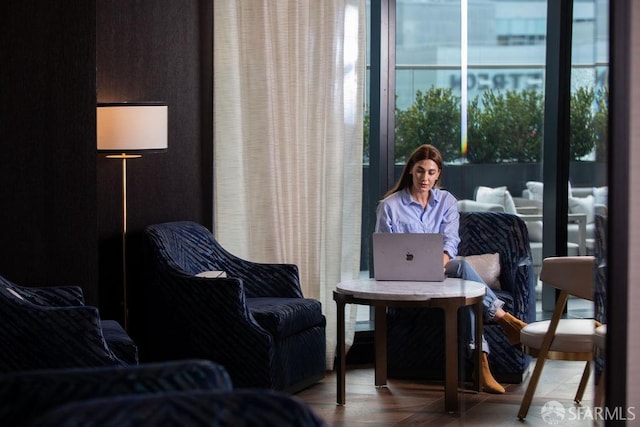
pixel 500 61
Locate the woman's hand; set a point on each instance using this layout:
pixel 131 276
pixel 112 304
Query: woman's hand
pixel 445 258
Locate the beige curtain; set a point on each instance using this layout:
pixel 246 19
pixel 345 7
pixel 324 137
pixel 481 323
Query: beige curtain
pixel 288 101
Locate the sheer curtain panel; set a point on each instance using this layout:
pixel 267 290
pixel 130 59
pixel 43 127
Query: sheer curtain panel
pixel 288 102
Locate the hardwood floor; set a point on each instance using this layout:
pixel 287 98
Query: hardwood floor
pixel 418 403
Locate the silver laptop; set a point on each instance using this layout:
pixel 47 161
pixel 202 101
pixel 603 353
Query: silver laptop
pixel 408 256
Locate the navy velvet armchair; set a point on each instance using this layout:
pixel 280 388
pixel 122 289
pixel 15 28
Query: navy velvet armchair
pixel 51 328
pixel 28 395
pixel 255 408
pixel 255 321
pixel 416 336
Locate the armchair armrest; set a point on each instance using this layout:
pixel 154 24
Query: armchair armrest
pixel 573 218
pixel 216 300
pixel 527 210
pixel 467 205
pixel 527 206
pixel 190 248
pixel 35 333
pixel 55 296
pixel 215 313
pixel 581 220
pixel 530 217
pixel 208 307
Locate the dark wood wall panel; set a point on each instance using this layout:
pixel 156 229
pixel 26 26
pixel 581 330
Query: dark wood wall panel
pixel 60 209
pixel 47 137
pixel 153 50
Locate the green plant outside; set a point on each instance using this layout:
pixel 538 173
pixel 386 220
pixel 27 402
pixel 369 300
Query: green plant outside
pixel 434 118
pixel 505 127
pixel 601 124
pixel 502 126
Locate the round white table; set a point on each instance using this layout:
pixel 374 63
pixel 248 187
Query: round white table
pixel 449 295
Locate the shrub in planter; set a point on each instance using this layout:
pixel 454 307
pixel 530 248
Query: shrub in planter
pixel 601 124
pixel 502 126
pixel 583 132
pixel 505 127
pixel 433 118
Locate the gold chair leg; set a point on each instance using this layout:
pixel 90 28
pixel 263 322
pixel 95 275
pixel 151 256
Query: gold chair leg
pixel 598 400
pixel 561 302
pixel 583 382
pixel 531 388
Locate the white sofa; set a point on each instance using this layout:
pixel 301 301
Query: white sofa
pixel 583 204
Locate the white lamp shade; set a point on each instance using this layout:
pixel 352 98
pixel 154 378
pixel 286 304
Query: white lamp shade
pixel 132 127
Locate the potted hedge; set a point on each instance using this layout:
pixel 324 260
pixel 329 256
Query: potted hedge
pixel 583 132
pixel 505 127
pixel 433 118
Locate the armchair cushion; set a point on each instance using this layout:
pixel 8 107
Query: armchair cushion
pixel 283 317
pixel 488 267
pixel 498 195
pixel 583 205
pixel 535 190
pixel 601 195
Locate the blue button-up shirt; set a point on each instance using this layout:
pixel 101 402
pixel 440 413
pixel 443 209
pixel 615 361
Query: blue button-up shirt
pixel 399 213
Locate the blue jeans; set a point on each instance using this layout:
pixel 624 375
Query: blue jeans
pixel 461 269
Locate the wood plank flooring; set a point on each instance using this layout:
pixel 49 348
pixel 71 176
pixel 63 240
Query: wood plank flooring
pixel 419 403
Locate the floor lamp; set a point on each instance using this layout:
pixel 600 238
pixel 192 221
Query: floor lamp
pixel 124 130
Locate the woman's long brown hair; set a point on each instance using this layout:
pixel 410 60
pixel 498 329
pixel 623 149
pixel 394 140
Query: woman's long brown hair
pixel 423 152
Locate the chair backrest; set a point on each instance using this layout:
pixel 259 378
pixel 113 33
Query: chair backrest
pixel 184 246
pixel 502 233
pixel 60 296
pixel 189 248
pixel 573 274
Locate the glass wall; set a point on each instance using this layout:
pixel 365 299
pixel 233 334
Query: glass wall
pixel 469 78
pixel 588 190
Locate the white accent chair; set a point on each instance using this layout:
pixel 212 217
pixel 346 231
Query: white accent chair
pixel 561 339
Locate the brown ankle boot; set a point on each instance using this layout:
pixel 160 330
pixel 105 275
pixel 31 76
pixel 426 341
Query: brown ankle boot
pixel 489 384
pixel 512 327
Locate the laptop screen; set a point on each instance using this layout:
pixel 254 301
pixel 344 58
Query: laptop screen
pixel 408 256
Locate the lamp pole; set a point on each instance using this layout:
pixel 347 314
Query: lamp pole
pixel 125 291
